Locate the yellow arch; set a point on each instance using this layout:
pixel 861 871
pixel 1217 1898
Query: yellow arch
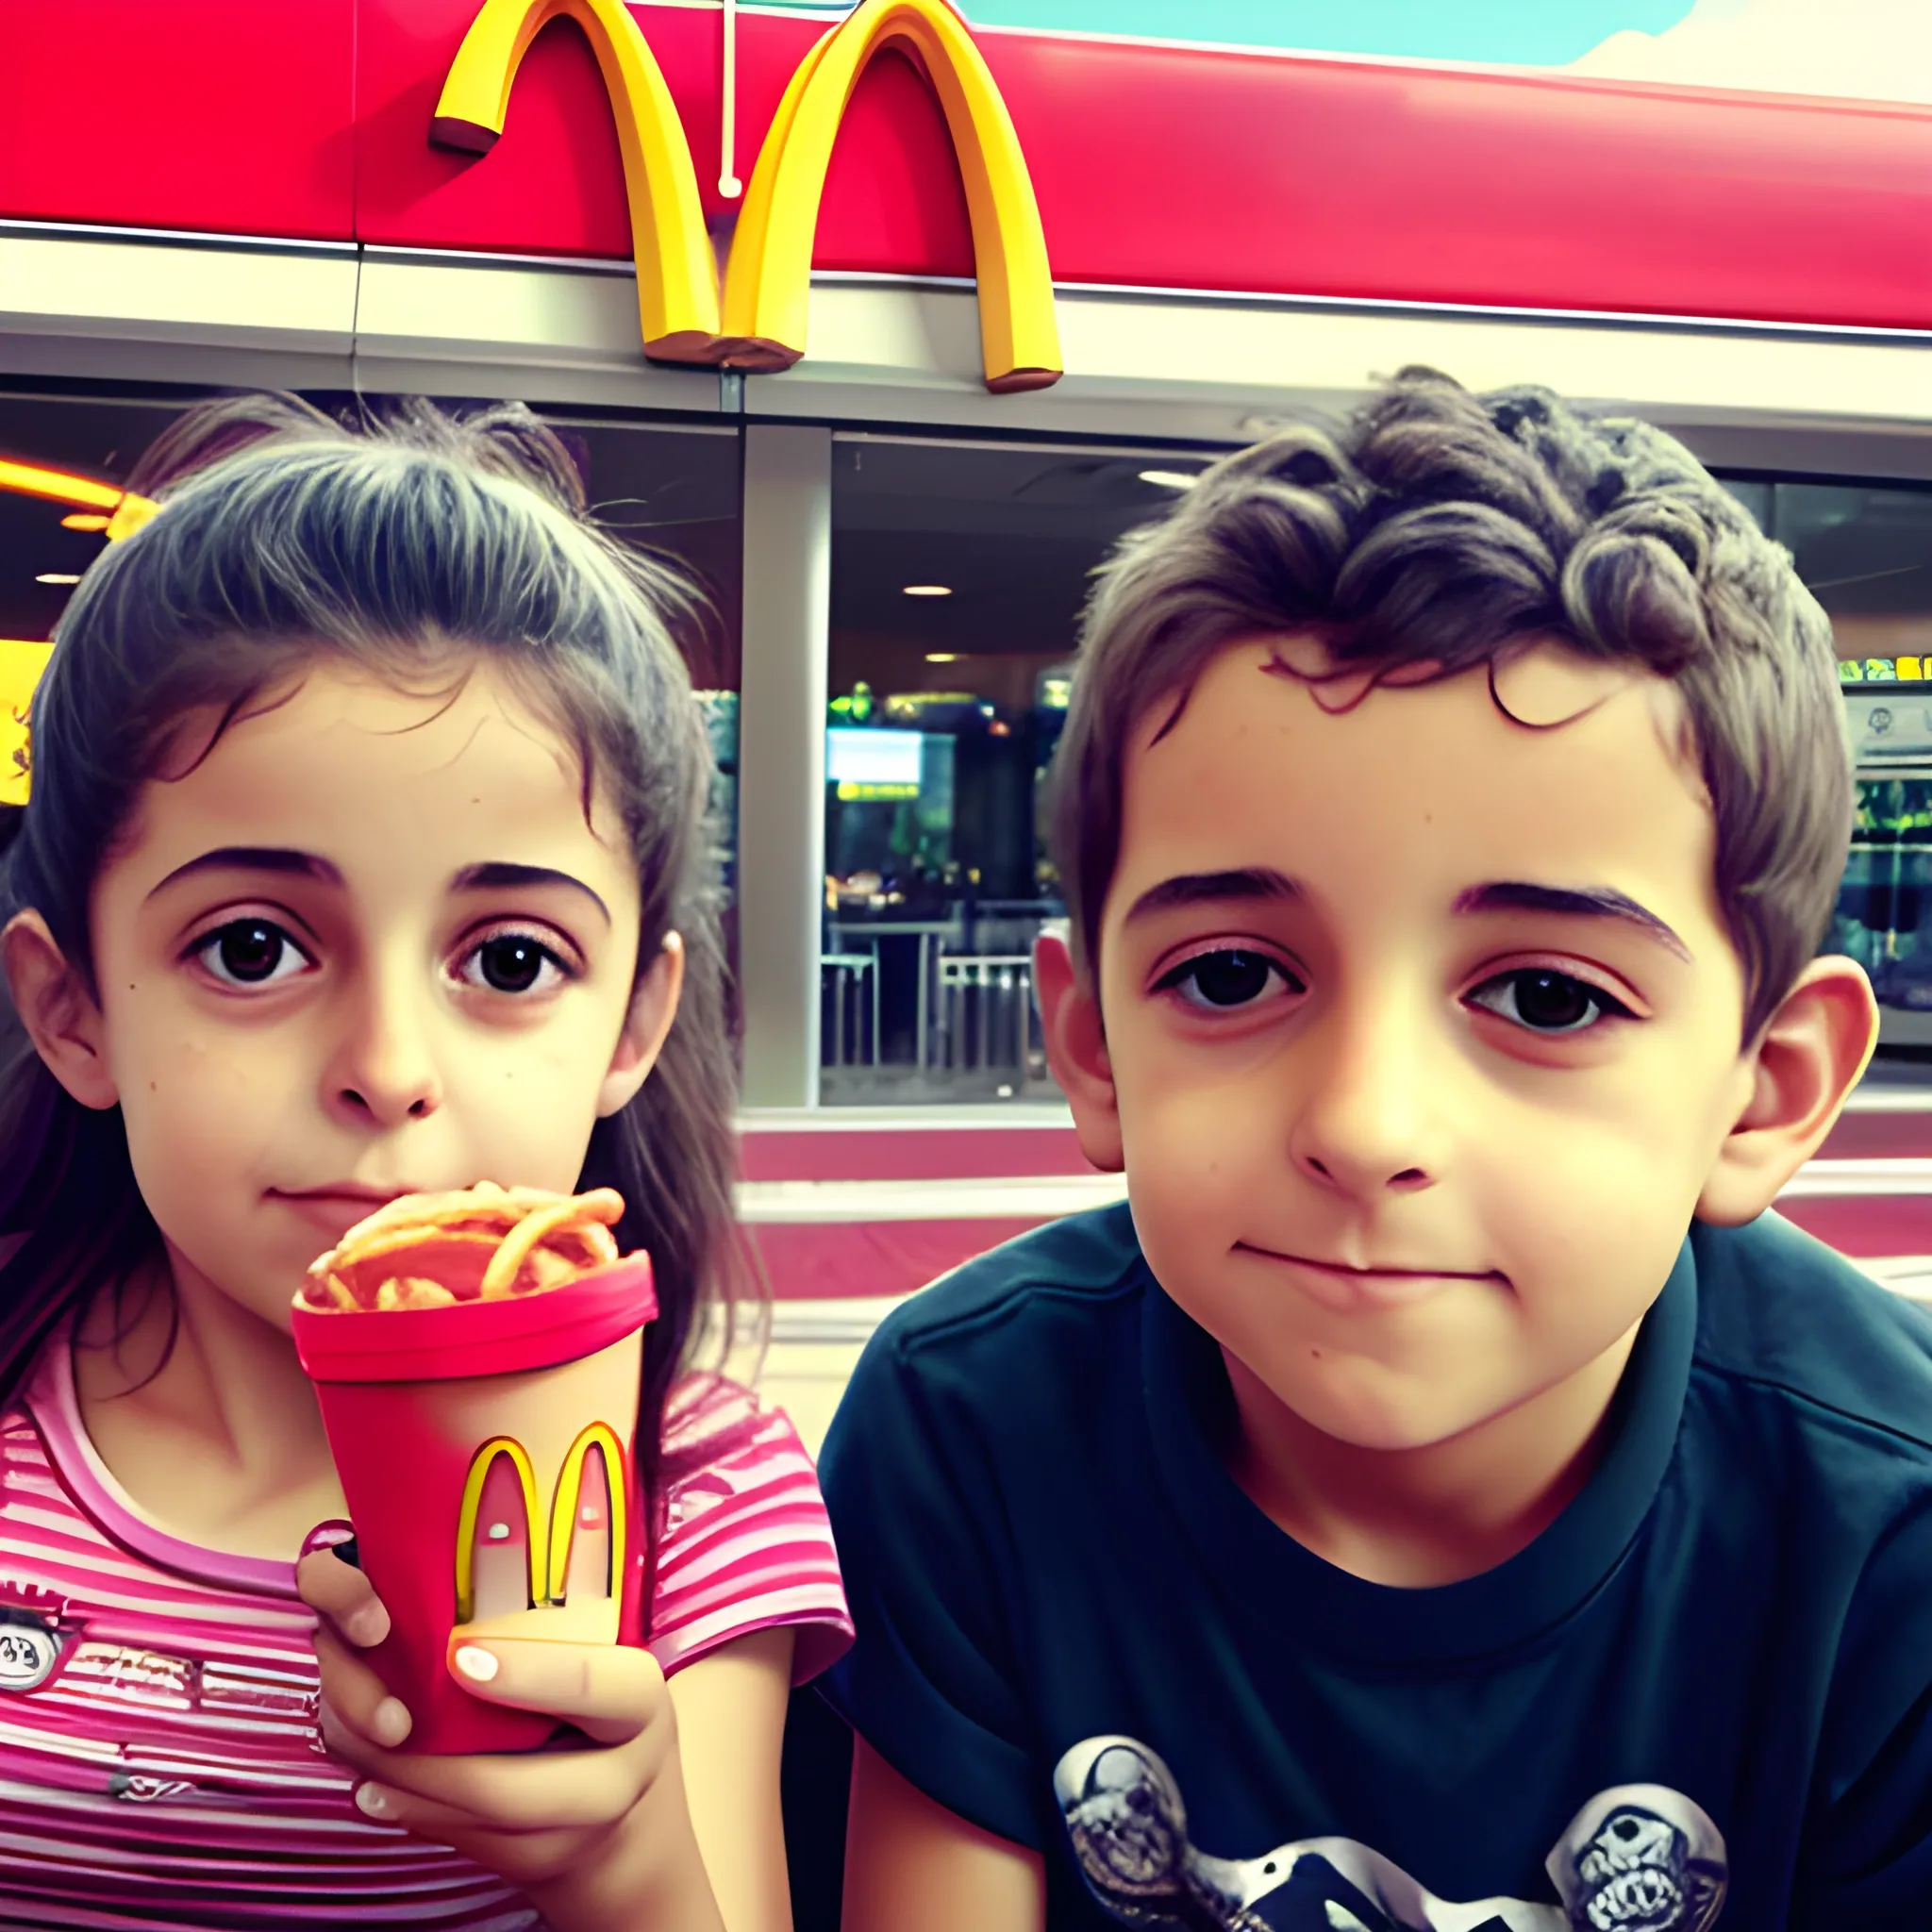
pixel 677 275
pixel 767 278
pixel 473 1502
pixel 563 1507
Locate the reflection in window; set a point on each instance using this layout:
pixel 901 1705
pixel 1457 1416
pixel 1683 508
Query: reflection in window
pixel 671 489
pixel 1884 914
pixel 677 491
pixel 1866 552
pixel 959 573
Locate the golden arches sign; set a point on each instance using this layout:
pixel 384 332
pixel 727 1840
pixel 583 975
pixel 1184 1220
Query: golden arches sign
pixel 761 321
pixel 678 279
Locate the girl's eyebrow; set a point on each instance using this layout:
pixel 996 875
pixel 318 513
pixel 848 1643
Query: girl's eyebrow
pixel 272 859
pixel 491 876
pixel 499 875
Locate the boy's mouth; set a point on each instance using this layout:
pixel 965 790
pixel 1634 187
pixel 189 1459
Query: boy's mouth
pixel 1348 1289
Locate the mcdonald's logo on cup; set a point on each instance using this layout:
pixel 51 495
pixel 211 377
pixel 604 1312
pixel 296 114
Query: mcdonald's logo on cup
pixel 516 1563
pixel 487 1453
pixel 760 319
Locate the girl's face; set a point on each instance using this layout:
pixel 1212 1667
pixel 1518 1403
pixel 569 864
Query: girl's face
pixel 368 946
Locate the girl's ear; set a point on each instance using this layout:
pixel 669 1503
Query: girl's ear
pixel 653 1008
pixel 58 1011
pixel 1076 1050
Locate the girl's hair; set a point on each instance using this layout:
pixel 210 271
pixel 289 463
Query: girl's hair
pixel 286 539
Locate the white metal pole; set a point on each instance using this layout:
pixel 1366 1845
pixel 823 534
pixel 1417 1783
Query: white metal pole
pixel 781 756
pixel 729 186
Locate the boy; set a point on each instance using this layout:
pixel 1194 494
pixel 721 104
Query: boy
pixel 1394 1519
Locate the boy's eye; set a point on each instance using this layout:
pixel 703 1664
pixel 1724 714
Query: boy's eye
pixel 1234 976
pixel 250 952
pixel 1547 1002
pixel 511 962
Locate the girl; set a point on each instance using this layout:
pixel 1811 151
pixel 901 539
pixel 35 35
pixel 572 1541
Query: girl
pixel 364 855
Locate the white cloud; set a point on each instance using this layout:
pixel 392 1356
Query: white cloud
pixel 1874 50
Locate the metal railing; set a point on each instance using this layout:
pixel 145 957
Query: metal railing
pixel 985 1019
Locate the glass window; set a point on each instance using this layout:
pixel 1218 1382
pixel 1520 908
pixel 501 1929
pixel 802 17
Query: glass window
pixel 959 573
pixel 45 545
pixel 678 491
pixel 671 489
pixel 1884 917
pixel 1866 552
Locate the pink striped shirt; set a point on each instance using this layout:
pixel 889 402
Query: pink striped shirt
pixel 168 1770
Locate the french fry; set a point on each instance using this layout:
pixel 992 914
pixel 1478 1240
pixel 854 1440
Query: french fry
pixel 486 1243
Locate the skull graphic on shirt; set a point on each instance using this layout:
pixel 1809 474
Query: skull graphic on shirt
pixel 1636 1859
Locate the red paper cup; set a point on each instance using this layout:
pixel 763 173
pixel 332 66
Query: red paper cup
pixel 486 1453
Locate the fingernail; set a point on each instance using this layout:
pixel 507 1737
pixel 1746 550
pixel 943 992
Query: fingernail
pixel 391 1720
pixel 477 1664
pixel 368 1627
pixel 372 1801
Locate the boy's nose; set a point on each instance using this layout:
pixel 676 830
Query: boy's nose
pixel 1368 1121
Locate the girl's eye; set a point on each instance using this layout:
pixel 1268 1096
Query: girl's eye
pixel 1221 981
pixel 1546 1001
pixel 250 952
pixel 512 962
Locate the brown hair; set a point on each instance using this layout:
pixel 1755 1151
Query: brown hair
pixel 286 538
pixel 1434 531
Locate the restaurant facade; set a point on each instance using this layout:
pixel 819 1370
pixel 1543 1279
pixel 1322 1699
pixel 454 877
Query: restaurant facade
pixel 888 326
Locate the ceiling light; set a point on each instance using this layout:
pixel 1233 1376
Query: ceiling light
pixel 942 656
pixel 1172 479
pixel 127 513
pixel 34 479
pixel 57 577
pixel 928 590
pixel 83 520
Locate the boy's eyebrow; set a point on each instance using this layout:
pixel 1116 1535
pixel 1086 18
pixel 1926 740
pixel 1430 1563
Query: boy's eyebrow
pixel 274 858
pixel 498 875
pixel 1577 901
pixel 1197 888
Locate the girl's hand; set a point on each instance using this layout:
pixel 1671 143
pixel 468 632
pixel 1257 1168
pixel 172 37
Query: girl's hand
pixel 596 1831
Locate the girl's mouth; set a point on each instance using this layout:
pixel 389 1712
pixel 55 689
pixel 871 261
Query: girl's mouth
pixel 333 1210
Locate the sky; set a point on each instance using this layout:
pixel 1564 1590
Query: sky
pixel 1861 50
pixel 1540 33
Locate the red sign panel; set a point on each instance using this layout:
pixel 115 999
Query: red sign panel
pixel 1154 166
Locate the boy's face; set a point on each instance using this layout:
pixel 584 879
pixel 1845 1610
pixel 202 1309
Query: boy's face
pixel 1424 1029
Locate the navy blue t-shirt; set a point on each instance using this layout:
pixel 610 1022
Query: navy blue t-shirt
pixel 1703 1696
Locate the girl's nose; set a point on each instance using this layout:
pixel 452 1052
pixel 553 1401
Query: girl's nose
pixel 384 1072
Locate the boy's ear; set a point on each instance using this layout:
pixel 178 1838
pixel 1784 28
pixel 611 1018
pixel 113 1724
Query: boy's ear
pixel 1810 1055
pixel 58 1011
pixel 652 1006
pixel 1076 1050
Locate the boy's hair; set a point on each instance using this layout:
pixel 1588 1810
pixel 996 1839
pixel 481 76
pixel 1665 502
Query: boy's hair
pixel 1444 527
pixel 406 548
